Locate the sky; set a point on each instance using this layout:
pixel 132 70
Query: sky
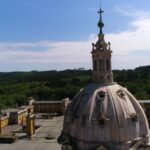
pixel 57 34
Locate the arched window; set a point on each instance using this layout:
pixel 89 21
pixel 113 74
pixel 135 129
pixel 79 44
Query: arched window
pixel 95 65
pixel 107 64
pixel 95 77
pixel 101 65
pixel 101 78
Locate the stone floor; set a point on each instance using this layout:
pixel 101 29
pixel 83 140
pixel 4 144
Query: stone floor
pixel 49 127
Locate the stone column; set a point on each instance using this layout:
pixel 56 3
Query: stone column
pixel 65 103
pixel 30 125
pixel 0 125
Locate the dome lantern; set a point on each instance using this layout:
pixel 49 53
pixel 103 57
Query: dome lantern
pixel 101 56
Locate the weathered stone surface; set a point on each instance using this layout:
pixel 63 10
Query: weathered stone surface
pixel 107 115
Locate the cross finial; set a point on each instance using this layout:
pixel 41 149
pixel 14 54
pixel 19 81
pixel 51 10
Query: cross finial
pixel 100 11
pixel 100 23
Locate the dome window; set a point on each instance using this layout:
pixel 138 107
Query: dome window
pixel 134 117
pixel 101 95
pixel 121 94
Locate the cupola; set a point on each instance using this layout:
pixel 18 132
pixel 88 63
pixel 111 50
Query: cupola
pixel 104 115
pixel 101 56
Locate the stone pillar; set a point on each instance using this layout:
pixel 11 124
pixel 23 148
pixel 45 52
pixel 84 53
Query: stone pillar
pixel 30 125
pixel 3 123
pixel 64 106
pixel 0 125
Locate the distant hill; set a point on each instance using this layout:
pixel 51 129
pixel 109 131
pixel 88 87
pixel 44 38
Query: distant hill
pixel 40 75
pixel 16 87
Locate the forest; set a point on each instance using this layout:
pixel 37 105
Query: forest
pixel 17 87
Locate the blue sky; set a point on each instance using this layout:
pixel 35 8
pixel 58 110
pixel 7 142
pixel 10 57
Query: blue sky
pixel 54 34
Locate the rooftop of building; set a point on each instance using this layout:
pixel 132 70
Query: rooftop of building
pixel 14 110
pixel 144 101
pixel 26 106
pixel 49 127
pixel 47 102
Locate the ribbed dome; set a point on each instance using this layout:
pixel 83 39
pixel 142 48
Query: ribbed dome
pixel 104 116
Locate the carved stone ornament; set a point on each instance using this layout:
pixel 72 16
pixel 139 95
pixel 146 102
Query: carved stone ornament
pixel 102 120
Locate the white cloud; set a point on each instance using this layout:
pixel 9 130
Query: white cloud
pixel 50 52
pixel 126 46
pixel 129 11
pixel 132 40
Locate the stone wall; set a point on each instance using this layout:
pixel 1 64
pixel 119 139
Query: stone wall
pixel 51 106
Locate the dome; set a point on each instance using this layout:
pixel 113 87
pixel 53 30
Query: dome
pixel 104 117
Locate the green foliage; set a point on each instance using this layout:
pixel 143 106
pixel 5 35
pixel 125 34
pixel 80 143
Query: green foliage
pixel 137 81
pixel 16 87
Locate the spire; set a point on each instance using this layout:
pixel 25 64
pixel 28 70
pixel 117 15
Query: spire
pixel 101 44
pixel 101 54
pixel 100 23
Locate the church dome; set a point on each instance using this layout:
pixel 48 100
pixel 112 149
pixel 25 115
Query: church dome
pixel 104 116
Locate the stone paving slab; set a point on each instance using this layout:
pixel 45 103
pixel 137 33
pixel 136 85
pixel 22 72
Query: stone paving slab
pixel 11 128
pixel 38 142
